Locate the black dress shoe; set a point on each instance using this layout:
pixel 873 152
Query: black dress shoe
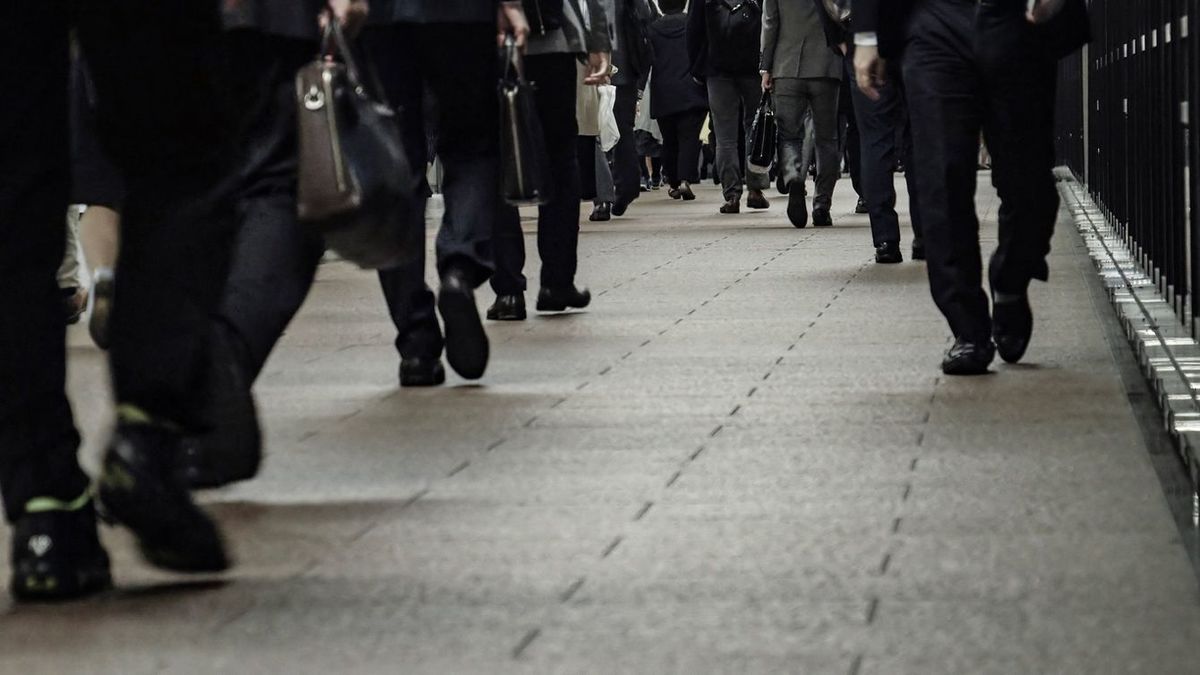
pixel 888 253
pixel 56 553
pixel 968 358
pixel 674 193
pixel 618 208
pixel 507 308
pixel 601 212
pixel 1012 326
pixel 821 218
pixel 685 191
pixel 797 208
pixel 139 489
pixel 561 299
pixel 918 249
pixel 861 207
pixel 780 186
pixel 466 341
pixel 732 205
pixel 422 371
pixel 755 199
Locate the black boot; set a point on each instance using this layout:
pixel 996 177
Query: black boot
pixel 56 553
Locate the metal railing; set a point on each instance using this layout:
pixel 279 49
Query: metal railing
pixel 1129 128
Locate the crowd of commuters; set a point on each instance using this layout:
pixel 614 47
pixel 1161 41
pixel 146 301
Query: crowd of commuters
pixel 201 181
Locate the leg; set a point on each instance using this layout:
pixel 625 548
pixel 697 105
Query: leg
pixel 670 152
pixel 624 154
pixel 825 138
pixel 38 440
pixel 946 117
pixel 558 219
pixel 877 134
pixel 606 190
pixel 689 145
pixel 791 106
pixel 586 153
pixel 725 104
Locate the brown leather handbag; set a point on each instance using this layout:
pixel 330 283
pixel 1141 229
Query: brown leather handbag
pixel 356 188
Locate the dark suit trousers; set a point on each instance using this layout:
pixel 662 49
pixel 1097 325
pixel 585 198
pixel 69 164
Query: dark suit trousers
pixel 626 165
pixel 38 440
pixel 681 146
pixel 966 70
pixel 558 219
pixel 884 137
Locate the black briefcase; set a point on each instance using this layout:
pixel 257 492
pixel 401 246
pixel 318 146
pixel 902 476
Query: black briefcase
pixel 356 188
pixel 524 164
pixel 762 136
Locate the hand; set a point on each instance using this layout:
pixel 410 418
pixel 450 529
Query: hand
pixel 599 68
pixel 510 20
pixel 1041 11
pixel 351 14
pixel 870 71
pixel 767 82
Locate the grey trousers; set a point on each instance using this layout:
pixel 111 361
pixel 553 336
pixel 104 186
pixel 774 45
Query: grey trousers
pixel 793 98
pixel 728 98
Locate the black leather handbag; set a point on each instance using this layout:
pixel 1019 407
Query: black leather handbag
pixel 356 188
pixel 524 164
pixel 762 136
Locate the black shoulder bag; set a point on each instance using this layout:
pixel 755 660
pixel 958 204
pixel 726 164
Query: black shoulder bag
pixel 356 187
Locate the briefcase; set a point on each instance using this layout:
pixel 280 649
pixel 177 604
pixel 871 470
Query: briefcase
pixel 524 164
pixel 762 136
pixel 356 188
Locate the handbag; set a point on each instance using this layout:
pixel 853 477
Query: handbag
pixel 762 136
pixel 524 164
pixel 356 188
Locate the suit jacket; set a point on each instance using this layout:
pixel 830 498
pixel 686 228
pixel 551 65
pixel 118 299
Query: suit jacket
pixel 888 19
pixel 794 43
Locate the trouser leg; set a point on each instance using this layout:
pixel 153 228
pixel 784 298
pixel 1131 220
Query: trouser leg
pixel 585 151
pixel 669 125
pixel 38 440
pixel 606 191
pixel 558 219
pixel 460 71
pixel 724 101
pixel 791 106
pixel 690 124
pixel 825 139
pixel 1019 129
pixel 877 135
pixel 624 154
pixel 945 105
pixel 176 147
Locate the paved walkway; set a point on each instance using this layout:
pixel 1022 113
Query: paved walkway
pixel 742 458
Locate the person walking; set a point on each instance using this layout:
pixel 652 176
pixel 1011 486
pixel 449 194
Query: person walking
pixel 677 101
pixel 803 72
pixel 967 67
pixel 631 65
pixel 560 35
pixel 723 39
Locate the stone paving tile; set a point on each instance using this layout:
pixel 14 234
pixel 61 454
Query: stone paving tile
pixel 741 457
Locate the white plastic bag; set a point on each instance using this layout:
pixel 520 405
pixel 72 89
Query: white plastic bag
pixel 610 133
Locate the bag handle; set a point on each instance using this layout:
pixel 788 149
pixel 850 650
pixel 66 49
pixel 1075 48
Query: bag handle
pixel 767 101
pixel 514 65
pixel 334 45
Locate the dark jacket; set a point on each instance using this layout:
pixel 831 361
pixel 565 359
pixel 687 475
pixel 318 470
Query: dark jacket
pixel 631 50
pixel 711 55
pixel 287 18
pixel 889 19
pixel 672 88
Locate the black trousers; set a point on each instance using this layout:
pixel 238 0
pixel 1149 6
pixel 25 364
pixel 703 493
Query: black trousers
pixel 176 145
pixel 625 161
pixel 681 146
pixel 967 67
pixel 884 138
pixel 848 135
pixel 558 219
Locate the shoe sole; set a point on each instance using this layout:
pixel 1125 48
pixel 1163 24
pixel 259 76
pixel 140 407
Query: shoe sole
pixel 50 587
pixel 507 317
pixel 434 381
pixel 466 340
pixel 888 261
